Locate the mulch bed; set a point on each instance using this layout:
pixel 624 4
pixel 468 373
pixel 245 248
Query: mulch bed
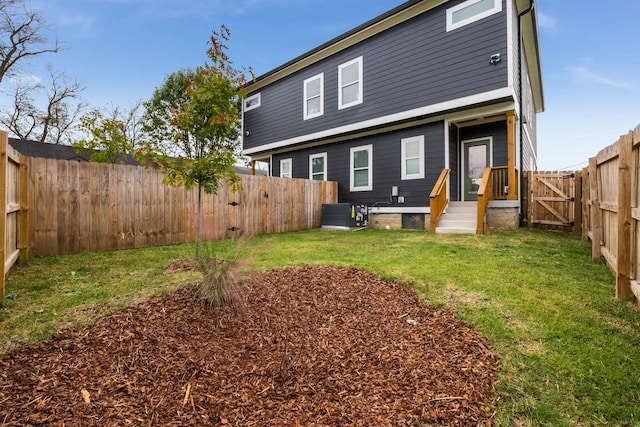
pixel 312 346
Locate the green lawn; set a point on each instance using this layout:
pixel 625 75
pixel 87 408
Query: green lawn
pixel 570 352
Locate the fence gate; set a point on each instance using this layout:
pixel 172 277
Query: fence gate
pixel 553 199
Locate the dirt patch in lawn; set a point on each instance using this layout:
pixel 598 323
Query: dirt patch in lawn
pixel 312 346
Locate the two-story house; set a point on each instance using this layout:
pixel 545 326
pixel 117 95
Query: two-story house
pixel 434 100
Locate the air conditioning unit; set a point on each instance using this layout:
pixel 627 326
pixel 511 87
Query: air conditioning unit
pixel 345 216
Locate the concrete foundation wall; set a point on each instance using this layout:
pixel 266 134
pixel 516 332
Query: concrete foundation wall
pixel 386 221
pixel 502 219
pixel 392 221
pixel 498 219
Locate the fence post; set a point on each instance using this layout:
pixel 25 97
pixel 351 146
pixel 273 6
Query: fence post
pixel 511 157
pixel 585 203
pixel 23 219
pixel 623 255
pixel 596 215
pixel 577 204
pixel 3 209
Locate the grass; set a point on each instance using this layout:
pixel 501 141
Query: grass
pixel 70 291
pixel 569 350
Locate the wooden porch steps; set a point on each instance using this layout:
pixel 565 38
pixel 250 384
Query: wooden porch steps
pixel 459 218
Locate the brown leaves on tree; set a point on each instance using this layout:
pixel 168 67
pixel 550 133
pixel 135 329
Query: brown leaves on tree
pixel 312 346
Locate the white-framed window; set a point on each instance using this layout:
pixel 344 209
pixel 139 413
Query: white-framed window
pixel 361 161
pixel 318 167
pixel 471 11
pixel 412 157
pixel 252 102
pixel 314 96
pixel 285 168
pixel 350 83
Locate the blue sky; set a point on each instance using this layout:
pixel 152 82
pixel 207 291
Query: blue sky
pixel 121 50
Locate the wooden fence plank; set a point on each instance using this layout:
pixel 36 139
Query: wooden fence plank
pixel 23 238
pixel 554 200
pixel 140 210
pixel 4 142
pixel 84 207
pixel 623 254
pixel 51 212
pixel 73 207
pixel 596 216
pixel 61 198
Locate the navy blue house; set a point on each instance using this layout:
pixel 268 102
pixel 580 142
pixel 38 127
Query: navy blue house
pixel 433 94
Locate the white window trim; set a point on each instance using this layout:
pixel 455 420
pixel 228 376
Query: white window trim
pixel 321 96
pixel 316 156
pixel 404 142
pixel 284 162
pixel 360 83
pixel 251 98
pixel 497 7
pixel 352 186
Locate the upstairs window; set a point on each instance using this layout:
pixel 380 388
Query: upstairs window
pixel 350 83
pixel 361 160
pixel 285 168
pixel 413 157
pixel 252 102
pixel 471 11
pixel 318 167
pixel 313 96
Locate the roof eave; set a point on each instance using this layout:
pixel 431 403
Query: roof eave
pixel 531 45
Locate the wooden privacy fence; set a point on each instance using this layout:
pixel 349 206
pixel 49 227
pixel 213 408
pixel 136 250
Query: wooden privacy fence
pixel 554 200
pixel 14 206
pixel 612 207
pixel 89 207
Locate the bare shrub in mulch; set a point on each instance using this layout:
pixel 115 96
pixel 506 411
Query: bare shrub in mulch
pixel 316 346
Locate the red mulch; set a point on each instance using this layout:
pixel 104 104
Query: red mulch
pixel 316 346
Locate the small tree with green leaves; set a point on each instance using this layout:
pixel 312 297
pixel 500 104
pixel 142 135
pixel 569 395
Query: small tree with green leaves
pixel 193 124
pixel 111 134
pixel 107 142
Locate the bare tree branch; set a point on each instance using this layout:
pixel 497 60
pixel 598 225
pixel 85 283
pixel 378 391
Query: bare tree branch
pixel 55 122
pixel 22 116
pixel 21 36
pixel 130 119
pixel 59 115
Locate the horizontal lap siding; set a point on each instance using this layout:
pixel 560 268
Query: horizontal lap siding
pixel 386 165
pixel 412 65
pixel 498 131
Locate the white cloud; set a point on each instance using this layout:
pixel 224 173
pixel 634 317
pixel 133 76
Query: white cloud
pixel 26 79
pixel 79 20
pixel 585 74
pixel 547 22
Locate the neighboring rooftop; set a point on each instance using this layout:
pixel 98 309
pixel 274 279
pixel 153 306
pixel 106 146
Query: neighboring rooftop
pixel 48 151
pixel 66 152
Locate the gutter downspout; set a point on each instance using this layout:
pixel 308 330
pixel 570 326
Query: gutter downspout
pixel 521 127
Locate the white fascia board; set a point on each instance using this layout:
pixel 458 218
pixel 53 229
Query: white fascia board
pixel 505 92
pixel 511 49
